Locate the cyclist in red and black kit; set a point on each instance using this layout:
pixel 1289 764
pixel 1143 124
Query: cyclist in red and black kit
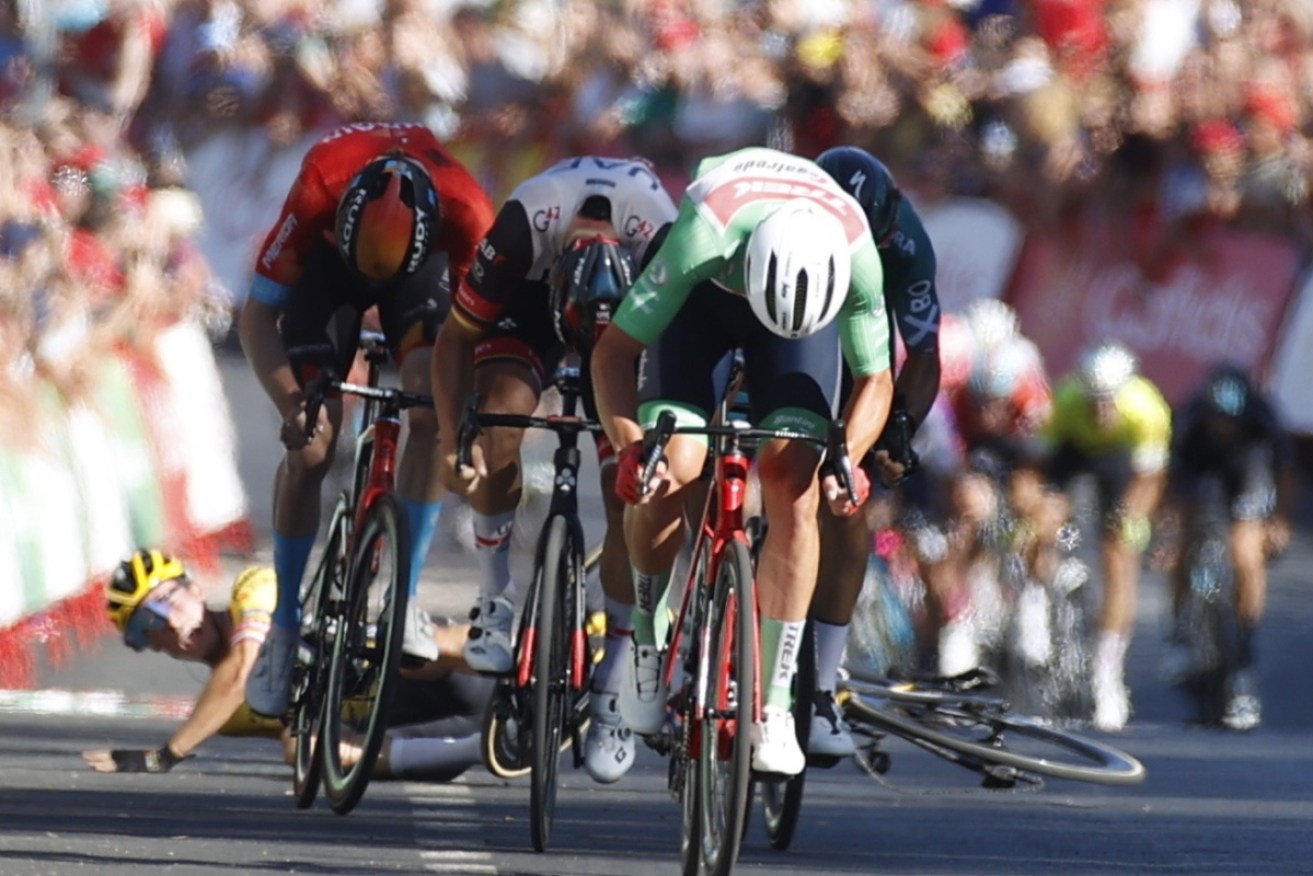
pixel 564 249
pixel 380 215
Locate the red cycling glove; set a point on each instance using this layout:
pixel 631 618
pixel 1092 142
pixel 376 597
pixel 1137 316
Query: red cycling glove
pixel 629 473
pixel 861 486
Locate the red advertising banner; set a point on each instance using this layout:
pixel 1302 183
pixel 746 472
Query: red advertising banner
pixel 1227 304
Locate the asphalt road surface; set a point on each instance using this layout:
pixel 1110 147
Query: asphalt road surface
pixel 1213 802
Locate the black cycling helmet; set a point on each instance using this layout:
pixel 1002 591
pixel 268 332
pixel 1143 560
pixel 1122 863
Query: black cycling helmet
pixel 586 285
pixel 1227 390
pixel 865 177
pixel 387 218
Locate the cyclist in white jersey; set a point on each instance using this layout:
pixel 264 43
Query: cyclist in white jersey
pixel 513 318
pixel 777 230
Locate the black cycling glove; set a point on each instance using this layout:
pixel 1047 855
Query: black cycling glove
pixel 153 760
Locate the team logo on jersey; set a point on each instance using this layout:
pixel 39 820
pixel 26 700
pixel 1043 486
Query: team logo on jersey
pixel 543 219
pixel 637 226
pixel 656 272
pixel 276 248
pixel 725 201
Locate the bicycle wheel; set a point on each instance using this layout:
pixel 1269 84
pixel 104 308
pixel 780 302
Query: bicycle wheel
pixel 1207 616
pixel 781 799
pixel 504 752
pixel 683 779
pixel 971 732
pixel 725 747
pixel 310 674
pixel 558 571
pixel 366 653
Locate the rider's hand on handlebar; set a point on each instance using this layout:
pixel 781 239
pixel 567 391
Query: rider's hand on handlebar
pixel 629 474
pixel 295 432
pixel 891 470
pixel 841 504
pixel 463 479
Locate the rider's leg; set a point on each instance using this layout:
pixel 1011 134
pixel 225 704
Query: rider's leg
pixel 617 585
pixel 507 386
pixel 418 485
pixel 1248 550
pixel 297 499
pixel 847 542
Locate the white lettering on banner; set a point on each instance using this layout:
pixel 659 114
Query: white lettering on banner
pixel 1204 317
pixel 276 248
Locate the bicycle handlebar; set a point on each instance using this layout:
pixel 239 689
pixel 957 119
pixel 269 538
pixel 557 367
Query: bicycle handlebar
pixel 326 384
pixel 473 422
pixel 836 448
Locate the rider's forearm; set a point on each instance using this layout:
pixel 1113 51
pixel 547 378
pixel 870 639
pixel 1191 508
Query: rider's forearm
pixel 452 378
pixel 918 384
pixel 258 329
pixel 1144 493
pixel 614 387
pixel 223 695
pixel 868 409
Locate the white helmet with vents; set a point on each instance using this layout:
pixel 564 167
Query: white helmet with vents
pixel 797 266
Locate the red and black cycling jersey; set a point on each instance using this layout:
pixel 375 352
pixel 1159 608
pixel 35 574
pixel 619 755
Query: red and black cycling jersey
pixel 465 212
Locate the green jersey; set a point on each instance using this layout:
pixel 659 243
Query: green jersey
pixel 729 195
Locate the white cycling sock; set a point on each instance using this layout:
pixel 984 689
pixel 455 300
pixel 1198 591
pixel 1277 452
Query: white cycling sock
pixel 830 642
pixel 492 545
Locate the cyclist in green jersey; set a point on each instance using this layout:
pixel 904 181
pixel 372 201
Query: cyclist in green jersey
pixel 768 254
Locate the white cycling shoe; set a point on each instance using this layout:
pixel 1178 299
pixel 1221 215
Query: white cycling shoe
pixel 830 735
pixel 269 686
pixel 643 692
pixel 775 749
pixel 609 746
pixel 488 648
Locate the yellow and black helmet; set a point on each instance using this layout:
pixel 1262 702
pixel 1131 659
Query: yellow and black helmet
pixel 136 577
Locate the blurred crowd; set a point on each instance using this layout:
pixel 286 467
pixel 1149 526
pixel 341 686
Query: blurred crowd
pixel 1166 112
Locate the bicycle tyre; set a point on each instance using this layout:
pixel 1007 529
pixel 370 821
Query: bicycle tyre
pixel 551 684
pixel 503 754
pixel 781 800
pixel 959 729
pixel 725 739
pixel 683 759
pixel 310 675
pixel 1207 615
pixel 362 675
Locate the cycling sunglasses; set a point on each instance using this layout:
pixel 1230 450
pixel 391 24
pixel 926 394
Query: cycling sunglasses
pixel 152 614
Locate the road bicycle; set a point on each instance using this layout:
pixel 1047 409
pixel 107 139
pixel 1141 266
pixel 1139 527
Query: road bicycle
pixel 354 606
pixel 548 688
pixel 960 720
pixel 711 661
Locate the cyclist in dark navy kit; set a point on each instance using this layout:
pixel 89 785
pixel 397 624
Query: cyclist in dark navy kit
pixel 373 207
pixel 912 304
pixel 562 252
pixel 1228 435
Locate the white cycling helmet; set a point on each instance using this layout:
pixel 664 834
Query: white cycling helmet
pixel 994 322
pixel 797 266
pixel 1105 368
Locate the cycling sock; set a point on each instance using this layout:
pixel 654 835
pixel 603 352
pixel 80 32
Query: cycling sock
pixel 781 641
pixel 433 759
pixel 830 642
pixel 649 597
pixel 492 543
pixel 1244 645
pixel 619 621
pixel 423 519
pixel 291 553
